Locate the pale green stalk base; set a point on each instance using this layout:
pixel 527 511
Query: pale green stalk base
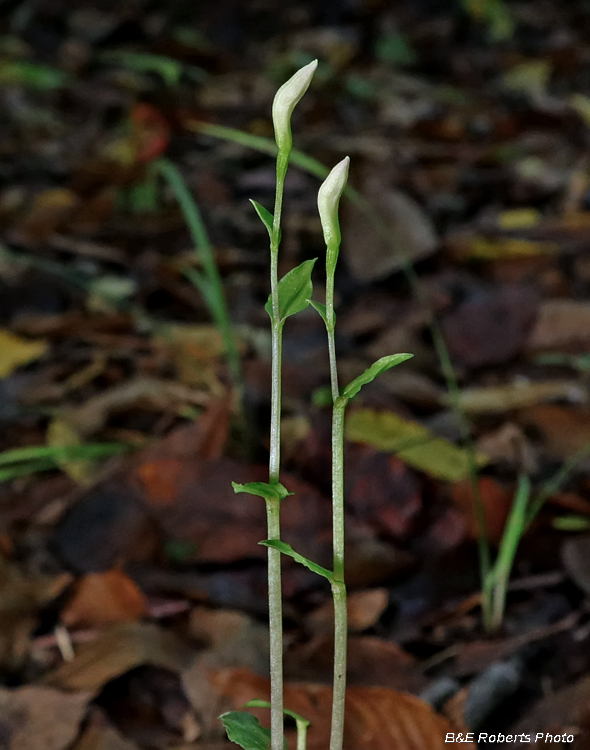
pixel 338 586
pixel 275 621
pixel 275 605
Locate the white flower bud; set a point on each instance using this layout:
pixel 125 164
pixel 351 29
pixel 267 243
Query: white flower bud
pixel 328 199
pixel 285 102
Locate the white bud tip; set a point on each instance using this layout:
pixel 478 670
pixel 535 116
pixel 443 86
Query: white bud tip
pixel 286 100
pixel 329 196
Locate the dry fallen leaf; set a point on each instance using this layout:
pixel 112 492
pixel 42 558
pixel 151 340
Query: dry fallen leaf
pixel 116 651
pixel 103 598
pixel 561 324
pixel 103 738
pixel 565 430
pixel 376 718
pixel 519 395
pixel 364 610
pixel 40 718
pixel 410 231
pixel 16 351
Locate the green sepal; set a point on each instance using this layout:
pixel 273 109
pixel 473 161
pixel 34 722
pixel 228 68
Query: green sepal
pixel 286 549
pixel 320 308
pixel 274 491
pixel 295 290
pixel 265 217
pixel 385 363
pixel 245 730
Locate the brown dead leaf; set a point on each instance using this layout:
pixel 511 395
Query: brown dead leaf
pixel 496 500
pixel 575 554
pixel 103 738
pixel 21 598
pixel 490 327
pixel 565 430
pixel 562 324
pixel 371 661
pixel 50 210
pixel 376 718
pixel 558 712
pixel 410 232
pixel 104 598
pixel 519 395
pixel 364 610
pixel 40 718
pixel 116 651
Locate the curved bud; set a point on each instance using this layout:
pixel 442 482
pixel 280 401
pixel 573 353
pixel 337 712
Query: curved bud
pixel 328 200
pixel 285 102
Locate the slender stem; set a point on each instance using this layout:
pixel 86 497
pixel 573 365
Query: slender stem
pixel 338 586
pixel 330 327
pixel 274 461
pixel 275 621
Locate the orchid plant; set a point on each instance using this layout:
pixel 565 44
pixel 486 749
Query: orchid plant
pixel 290 295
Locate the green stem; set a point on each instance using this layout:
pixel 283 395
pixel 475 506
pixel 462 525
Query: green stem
pixel 497 581
pixel 275 623
pixel 274 461
pixel 338 586
pixel 330 327
pixel 215 297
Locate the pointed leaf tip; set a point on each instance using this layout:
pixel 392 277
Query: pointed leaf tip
pixel 295 290
pixel 381 365
pixel 286 549
pixel 245 730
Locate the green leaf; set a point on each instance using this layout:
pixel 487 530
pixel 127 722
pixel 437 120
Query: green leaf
pixel 274 491
pixel 295 290
pixel 412 442
pixel 245 730
pixel 286 549
pixel 381 365
pixel 265 217
pixel 571 523
pixel 257 703
pixel 319 308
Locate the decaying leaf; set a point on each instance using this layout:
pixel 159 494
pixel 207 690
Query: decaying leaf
pixel 413 443
pixel 562 324
pixel 410 234
pixel 21 598
pixel 104 598
pixel 116 651
pixel 103 738
pixel 40 718
pixel 564 430
pixel 519 395
pixel 16 351
pixel 376 718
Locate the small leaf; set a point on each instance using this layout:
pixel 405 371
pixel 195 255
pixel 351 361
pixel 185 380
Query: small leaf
pixel 286 549
pixel 381 365
pixel 245 730
pixel 295 290
pixel 319 308
pixel 571 523
pixel 274 491
pixel 257 703
pixel 265 217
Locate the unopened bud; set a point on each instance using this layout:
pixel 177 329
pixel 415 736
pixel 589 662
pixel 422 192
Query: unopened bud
pixel 286 100
pixel 328 200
